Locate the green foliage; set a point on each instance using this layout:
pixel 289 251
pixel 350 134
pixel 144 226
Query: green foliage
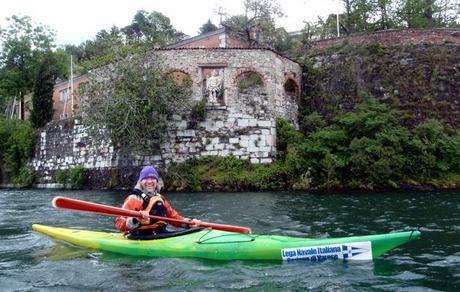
pixel 133 102
pixel 207 27
pixel 282 40
pixel 433 152
pixel 152 28
pixel 368 148
pixel 77 177
pixel 61 177
pixel 312 122
pixel 428 13
pixel 259 15
pixel 226 174
pixel 16 145
pixel 286 134
pixel 146 30
pixel 198 112
pixel 42 99
pixel 370 16
pixel 25 178
pixel 23 47
pixel 249 80
pixel 368 118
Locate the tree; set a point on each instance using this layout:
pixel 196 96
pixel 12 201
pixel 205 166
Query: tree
pixel 257 24
pixel 207 27
pixel 373 15
pixel 23 47
pixel 150 29
pixel 104 43
pixel 428 13
pixel 16 148
pixel 146 30
pixel 362 15
pixel 42 99
pixel 282 40
pixel 384 14
pixel 133 101
pixel 325 28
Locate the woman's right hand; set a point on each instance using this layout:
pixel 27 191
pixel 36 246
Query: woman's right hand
pixel 145 220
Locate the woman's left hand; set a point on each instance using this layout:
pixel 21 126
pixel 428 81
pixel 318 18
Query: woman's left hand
pixel 145 220
pixel 195 222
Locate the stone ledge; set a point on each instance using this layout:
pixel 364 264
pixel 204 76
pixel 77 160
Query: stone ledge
pixel 216 107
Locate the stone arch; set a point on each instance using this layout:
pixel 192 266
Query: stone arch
pixel 247 79
pixel 182 78
pixel 251 95
pixel 291 88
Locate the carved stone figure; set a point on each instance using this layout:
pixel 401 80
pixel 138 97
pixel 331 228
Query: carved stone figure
pixel 213 86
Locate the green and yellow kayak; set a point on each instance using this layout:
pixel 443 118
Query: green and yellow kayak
pixel 222 245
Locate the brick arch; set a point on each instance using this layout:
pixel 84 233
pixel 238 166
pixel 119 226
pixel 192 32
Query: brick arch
pixel 245 72
pixel 179 76
pixel 291 87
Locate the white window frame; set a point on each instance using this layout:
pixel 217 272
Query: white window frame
pixel 64 95
pixel 64 116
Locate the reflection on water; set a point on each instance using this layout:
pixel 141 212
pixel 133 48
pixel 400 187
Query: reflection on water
pixel 30 261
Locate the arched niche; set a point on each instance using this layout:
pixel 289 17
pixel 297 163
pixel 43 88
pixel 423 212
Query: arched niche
pixel 252 95
pixel 182 78
pixel 291 88
pixel 248 80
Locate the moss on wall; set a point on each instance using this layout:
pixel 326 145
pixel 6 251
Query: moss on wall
pixel 420 81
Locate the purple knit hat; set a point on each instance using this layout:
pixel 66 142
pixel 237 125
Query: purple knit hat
pixel 149 172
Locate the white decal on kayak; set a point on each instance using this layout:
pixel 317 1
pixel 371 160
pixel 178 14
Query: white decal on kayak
pixel 346 251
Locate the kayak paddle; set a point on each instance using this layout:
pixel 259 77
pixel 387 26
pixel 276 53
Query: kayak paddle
pixel 78 205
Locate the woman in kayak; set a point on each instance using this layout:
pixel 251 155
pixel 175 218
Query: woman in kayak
pixel 146 199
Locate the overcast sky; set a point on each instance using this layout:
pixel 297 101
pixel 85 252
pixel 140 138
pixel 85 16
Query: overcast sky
pixel 77 21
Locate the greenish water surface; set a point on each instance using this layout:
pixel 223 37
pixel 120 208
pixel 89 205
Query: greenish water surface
pixel 33 262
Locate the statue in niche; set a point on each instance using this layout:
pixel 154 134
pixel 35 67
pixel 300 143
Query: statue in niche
pixel 213 86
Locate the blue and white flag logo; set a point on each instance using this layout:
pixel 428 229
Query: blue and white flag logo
pixel 346 251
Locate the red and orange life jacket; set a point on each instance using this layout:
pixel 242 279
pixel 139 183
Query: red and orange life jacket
pixel 138 201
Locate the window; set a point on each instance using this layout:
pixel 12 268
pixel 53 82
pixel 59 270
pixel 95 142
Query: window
pixel 64 95
pixel 64 116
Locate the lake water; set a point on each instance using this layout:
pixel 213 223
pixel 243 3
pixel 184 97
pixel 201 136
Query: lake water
pixel 33 262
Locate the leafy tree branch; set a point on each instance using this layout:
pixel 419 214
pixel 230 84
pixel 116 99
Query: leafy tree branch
pixel 132 101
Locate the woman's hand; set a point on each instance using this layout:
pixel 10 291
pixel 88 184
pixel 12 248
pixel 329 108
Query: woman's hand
pixel 195 222
pixel 145 220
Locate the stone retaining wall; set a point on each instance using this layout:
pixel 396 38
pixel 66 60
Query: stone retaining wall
pixel 392 37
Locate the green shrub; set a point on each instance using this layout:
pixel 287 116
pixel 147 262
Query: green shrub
pixel 312 122
pixel 198 113
pixel 286 135
pixel 61 177
pixel 77 177
pixel 16 145
pixel 25 178
pixel 368 148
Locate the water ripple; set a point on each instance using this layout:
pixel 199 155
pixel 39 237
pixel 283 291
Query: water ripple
pixel 31 262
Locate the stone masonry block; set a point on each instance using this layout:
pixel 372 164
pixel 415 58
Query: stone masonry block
pixel 255 160
pixel 243 123
pixel 264 124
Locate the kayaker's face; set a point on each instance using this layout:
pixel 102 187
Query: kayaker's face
pixel 149 185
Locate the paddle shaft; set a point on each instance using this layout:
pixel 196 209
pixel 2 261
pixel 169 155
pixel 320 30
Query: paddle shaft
pixel 78 205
